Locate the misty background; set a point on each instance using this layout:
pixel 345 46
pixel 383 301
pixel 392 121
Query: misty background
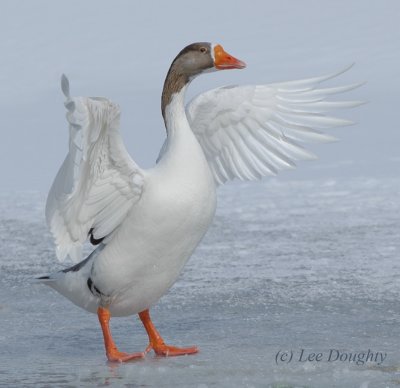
pixel 123 49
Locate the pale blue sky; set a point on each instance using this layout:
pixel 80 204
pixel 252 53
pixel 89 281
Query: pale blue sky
pixel 122 50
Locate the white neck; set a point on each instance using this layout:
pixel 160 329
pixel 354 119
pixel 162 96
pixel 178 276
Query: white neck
pixel 181 144
pixel 175 115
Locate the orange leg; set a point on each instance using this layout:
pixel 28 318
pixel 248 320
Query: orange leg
pixel 113 354
pixel 157 343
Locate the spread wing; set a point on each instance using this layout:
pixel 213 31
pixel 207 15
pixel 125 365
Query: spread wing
pixel 248 132
pixel 98 183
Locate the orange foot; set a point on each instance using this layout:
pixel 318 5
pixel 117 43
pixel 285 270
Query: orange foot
pixel 112 352
pixel 114 355
pixel 161 349
pixel 157 343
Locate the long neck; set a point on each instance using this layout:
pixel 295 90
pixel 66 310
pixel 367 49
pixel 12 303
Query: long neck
pixel 181 145
pixel 174 113
pixel 173 92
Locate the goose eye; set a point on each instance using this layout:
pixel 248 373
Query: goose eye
pixel 203 50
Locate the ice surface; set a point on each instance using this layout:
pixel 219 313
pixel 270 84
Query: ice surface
pixel 285 266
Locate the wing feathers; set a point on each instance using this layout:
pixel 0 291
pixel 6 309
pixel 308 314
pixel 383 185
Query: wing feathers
pixel 310 82
pixel 98 182
pixel 248 132
pixel 65 86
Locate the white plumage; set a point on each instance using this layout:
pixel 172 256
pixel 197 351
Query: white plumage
pixel 248 132
pixel 147 223
pixel 152 220
pixel 98 182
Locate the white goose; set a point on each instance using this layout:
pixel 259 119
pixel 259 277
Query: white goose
pixel 147 223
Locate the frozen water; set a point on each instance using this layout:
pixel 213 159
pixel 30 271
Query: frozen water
pixel 286 266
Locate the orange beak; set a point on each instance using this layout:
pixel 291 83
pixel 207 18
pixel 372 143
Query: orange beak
pixel 225 61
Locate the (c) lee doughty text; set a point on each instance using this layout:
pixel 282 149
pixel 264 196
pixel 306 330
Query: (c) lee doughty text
pixel 332 355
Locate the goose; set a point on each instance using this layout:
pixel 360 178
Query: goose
pixel 144 224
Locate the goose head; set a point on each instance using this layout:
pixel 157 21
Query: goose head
pixel 204 57
pixel 195 59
